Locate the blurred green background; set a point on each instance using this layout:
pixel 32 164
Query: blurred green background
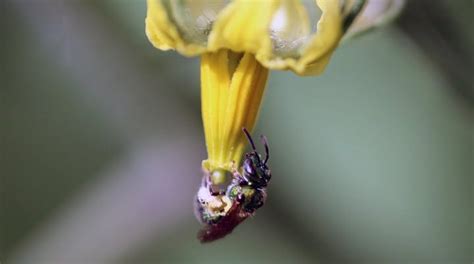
pixel 102 143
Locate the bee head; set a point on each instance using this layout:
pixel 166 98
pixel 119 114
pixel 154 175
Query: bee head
pixel 255 170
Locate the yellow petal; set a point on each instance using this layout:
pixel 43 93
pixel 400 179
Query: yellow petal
pixel 243 27
pixel 282 34
pixel 277 32
pixel 163 32
pixel 290 28
pixel 315 55
pixel 232 91
pixel 159 30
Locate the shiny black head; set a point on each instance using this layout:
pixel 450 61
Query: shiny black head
pixel 255 171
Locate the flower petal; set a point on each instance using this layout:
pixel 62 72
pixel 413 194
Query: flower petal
pixel 277 32
pixel 297 35
pixel 374 14
pixel 232 90
pixel 243 27
pixel 314 55
pixel 169 25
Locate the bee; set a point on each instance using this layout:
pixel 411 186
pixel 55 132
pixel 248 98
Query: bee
pixel 251 184
pixel 246 193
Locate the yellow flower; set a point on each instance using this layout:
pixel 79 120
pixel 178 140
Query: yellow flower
pixel 240 40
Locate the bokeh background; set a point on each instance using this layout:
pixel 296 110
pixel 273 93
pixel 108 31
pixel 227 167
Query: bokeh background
pixel 101 144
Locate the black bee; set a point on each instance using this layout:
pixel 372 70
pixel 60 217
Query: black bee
pixel 247 192
pixel 252 182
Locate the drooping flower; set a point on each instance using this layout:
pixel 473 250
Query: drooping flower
pixel 240 41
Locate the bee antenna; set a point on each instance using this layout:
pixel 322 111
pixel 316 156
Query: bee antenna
pixel 249 138
pixel 267 152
